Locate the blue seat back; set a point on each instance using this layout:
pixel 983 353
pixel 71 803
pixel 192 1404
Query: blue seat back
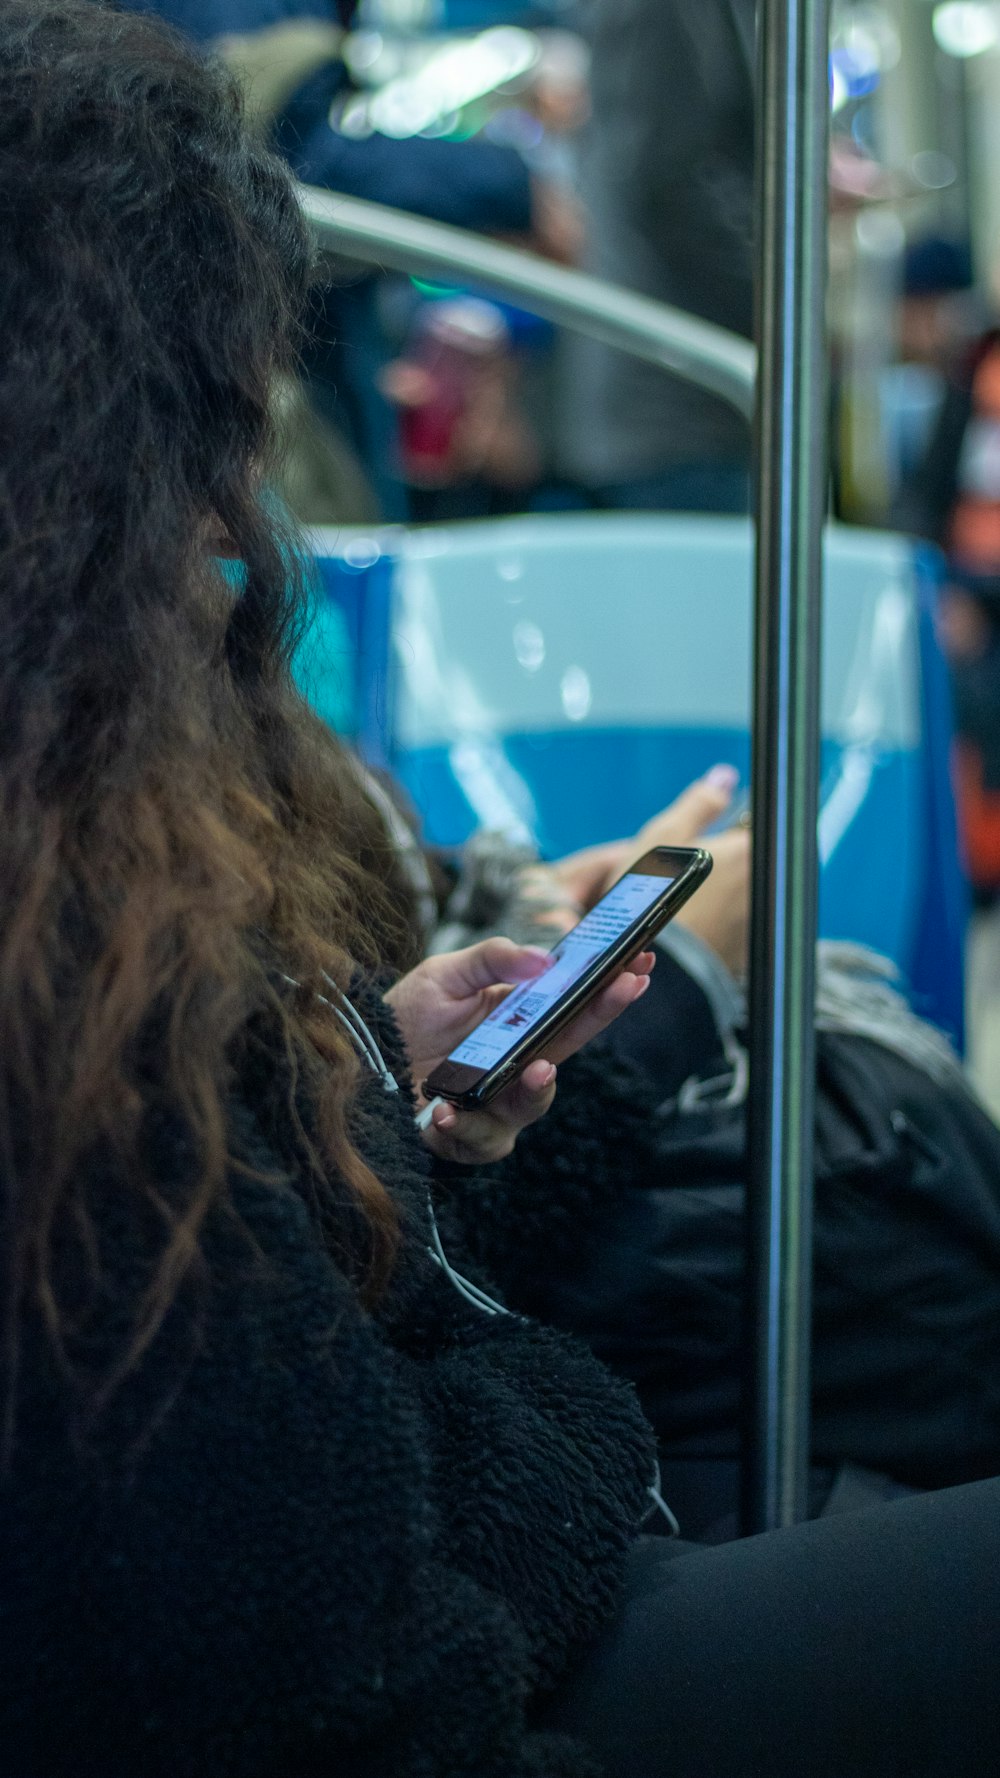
pixel 563 677
pixel 342 664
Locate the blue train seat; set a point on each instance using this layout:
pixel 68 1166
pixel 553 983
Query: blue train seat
pixel 342 660
pixel 564 676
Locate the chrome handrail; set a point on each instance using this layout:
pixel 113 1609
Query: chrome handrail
pixel 375 235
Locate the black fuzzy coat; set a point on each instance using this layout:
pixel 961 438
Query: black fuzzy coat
pixel 305 1540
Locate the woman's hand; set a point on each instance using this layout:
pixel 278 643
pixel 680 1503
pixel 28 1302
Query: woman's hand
pixel 444 998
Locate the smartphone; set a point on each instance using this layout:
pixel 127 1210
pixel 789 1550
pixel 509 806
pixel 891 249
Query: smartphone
pixel 582 963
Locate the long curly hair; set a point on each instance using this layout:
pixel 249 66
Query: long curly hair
pixel 178 837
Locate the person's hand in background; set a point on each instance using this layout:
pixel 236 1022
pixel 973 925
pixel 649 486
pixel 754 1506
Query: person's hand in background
pixel 587 875
pixel 719 913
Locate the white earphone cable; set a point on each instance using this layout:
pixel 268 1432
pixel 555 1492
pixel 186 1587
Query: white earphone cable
pixel 365 1043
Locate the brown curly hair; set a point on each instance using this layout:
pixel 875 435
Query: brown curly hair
pixel 176 833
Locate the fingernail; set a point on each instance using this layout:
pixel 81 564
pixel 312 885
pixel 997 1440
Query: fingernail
pixel 549 1078
pixel 723 777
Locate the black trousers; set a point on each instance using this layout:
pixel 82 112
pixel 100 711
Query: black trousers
pixel 859 1646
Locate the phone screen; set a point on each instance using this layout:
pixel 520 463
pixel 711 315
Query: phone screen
pixel 524 1007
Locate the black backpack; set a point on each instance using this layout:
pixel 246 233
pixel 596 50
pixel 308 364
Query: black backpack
pixel 906 1329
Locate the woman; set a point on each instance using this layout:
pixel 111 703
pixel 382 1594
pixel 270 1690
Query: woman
pixel 229 1440
pixel 282 1491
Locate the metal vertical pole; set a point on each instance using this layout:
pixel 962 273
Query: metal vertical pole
pixel 791 444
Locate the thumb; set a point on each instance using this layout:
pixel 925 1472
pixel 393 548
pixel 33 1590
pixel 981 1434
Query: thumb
pixel 495 960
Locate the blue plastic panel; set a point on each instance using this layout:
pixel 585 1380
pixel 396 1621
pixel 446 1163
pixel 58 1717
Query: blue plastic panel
pixel 562 677
pixel 873 909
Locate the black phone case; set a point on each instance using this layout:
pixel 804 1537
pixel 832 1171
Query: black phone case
pixel 629 945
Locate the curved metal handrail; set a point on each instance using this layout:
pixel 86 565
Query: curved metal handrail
pixel 375 235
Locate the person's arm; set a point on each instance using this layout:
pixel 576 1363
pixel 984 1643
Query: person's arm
pixel 475 185
pixel 301 1563
pixel 542 1464
pixel 439 1414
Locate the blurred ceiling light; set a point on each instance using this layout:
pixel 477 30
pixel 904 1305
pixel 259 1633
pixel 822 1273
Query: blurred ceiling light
pixel 933 170
pixel 362 50
pixel 448 124
pixel 864 44
pixel 406 16
pixel 859 80
pixel 966 27
pixel 529 646
pixel 362 553
pixel 880 234
pixel 450 80
pixel 575 693
pixel 872 25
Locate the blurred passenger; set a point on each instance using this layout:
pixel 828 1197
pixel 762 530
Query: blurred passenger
pixel 287 54
pixel 466 448
pixel 955 500
pixel 936 320
pixel 281 1491
pixel 246 1411
pixel 667 182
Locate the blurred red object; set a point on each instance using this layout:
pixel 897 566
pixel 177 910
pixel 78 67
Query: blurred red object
pixel 978 817
pixel 456 390
pixel 435 384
